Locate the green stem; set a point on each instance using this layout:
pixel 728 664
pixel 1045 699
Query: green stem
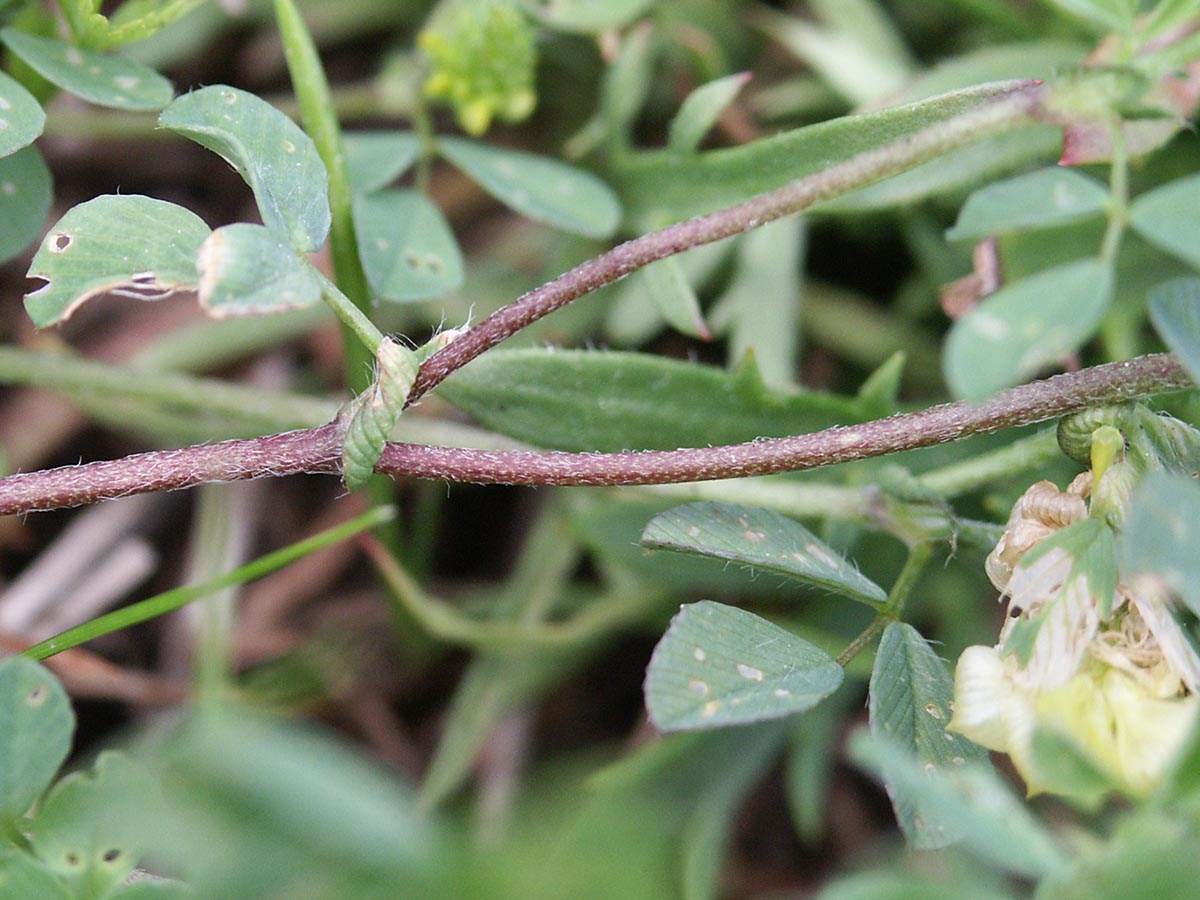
pixel 320 121
pixel 914 565
pixel 971 474
pixel 1118 189
pixel 172 600
pixel 356 323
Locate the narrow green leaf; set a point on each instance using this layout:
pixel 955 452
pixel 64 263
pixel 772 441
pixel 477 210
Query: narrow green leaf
pixel 667 286
pixel 1025 327
pixel 137 20
pixel 21 114
pixel 701 109
pixel 76 834
pixel 23 876
pixel 95 77
pixel 761 539
pixel 972 802
pixel 276 158
pixel 1162 532
pixel 718 665
pixel 26 192
pixel 1166 217
pixel 910 703
pixel 1175 312
pixel 406 246
pixel 377 158
pixel 1040 199
pixel 247 270
pixel 659 186
pixel 599 400
pixel 36 725
pixel 586 16
pixel 541 188
pixel 129 245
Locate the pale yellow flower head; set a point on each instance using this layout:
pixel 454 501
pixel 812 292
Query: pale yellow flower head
pixel 1101 663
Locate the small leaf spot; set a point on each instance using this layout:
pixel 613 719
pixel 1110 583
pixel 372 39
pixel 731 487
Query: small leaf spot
pixel 229 97
pixel 930 769
pixel 822 557
pixel 932 709
pixel 710 709
pixel 72 859
pixel 749 672
pixel 74 57
pixel 696 686
pixel 693 532
pixel 754 537
pixel 37 696
pixel 111 855
pixel 3 124
pixel 127 82
pixel 698 654
pixel 289 147
pixel 958 761
pixel 94 70
pixel 4 104
pixel 59 243
pixel 381 244
pixel 9 188
pixel 782 692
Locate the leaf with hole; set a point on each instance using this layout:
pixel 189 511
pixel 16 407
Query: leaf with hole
pixel 248 270
pixel 21 116
pixel 701 109
pixel 538 187
pixel 761 539
pixel 911 697
pixel 718 665
pixel 270 151
pixel 26 191
pixel 377 158
pixel 36 725
pixel 1052 196
pixel 98 78
pixel 1175 312
pixel 76 833
pixel 406 246
pixel 609 401
pixel 1166 217
pixel 1025 327
pixel 126 244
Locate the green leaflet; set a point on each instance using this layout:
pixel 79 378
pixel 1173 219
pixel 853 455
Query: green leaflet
pixel 375 159
pixel 701 109
pixel 26 192
pixel 910 703
pixel 763 540
pixel 1052 196
pixel 23 118
pixel 246 270
pixel 95 77
pixel 276 158
pixel 1025 326
pixel 608 401
pixel 36 725
pixel 406 246
pixel 718 665
pixel 1175 312
pixel 1166 217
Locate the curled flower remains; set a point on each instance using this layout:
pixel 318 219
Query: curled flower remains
pixel 1101 662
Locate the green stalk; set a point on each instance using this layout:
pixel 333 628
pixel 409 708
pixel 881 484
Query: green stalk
pixel 319 116
pixel 174 599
